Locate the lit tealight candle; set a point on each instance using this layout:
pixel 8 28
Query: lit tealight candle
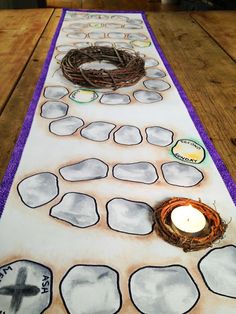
pixel 188 219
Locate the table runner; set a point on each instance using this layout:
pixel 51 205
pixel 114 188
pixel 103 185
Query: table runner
pixel 77 231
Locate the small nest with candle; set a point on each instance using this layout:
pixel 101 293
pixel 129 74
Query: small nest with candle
pixel 130 68
pixel 214 229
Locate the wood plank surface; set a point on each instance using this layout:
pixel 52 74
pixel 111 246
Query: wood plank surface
pixel 207 74
pixel 13 116
pixel 221 25
pixel 19 32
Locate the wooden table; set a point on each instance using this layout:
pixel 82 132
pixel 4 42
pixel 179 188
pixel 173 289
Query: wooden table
pixel 201 48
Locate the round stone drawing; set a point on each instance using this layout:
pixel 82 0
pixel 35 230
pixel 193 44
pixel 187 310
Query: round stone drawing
pixel 65 126
pixel 159 136
pixel 87 289
pixel 188 151
pixel 115 99
pixel 96 25
pixel 97 131
pixel 218 269
pixel 147 97
pixel 38 189
pixel 55 92
pixel 116 35
pixel 130 217
pixel 135 21
pixel 120 18
pixel 88 169
pixel 155 73
pixel 83 95
pixel 123 45
pixel 78 209
pixel 176 173
pixel 25 287
pixel 141 43
pixel 128 135
pixel 65 48
pixel 132 26
pixel 137 36
pixel 150 62
pixel 158 85
pixel 96 35
pixel 76 35
pixel 114 25
pixel 54 109
pixel 163 289
pixel 141 172
pixel 82 44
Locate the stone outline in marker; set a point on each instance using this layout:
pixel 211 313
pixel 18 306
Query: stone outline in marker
pixel 83 89
pixel 154 126
pixel 128 144
pixel 97 140
pixel 49 127
pixel 186 160
pixel 55 99
pixel 52 100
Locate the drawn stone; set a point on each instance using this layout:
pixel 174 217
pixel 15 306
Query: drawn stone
pixel 54 109
pixel 55 92
pixel 83 95
pixel 78 209
pixel 150 62
pixel 77 35
pixel 82 44
pixel 99 16
pixel 123 45
pixel 114 25
pixel 60 56
pixel 115 99
pixel 130 217
pixel 96 35
pixel 70 29
pixel 163 290
pixel 135 21
pixel 218 268
pixel 96 25
pixel 189 151
pixel 159 136
pixel 65 126
pixel 155 73
pixel 65 48
pixel 176 173
pixel 98 131
pixel 138 36
pixel 120 18
pixel 98 65
pixel 77 25
pixel 128 135
pixel 141 43
pixel 103 44
pixel 132 26
pixel 158 85
pixel 25 287
pixel 88 169
pixel 147 97
pixel 116 35
pixel 88 289
pixel 38 189
pixel 143 172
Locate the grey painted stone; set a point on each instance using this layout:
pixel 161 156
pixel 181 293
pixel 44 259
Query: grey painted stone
pixel 38 189
pixel 150 62
pixel 55 92
pixel 77 35
pixel 54 109
pixel 146 96
pixel 130 217
pixel 128 135
pixel 159 136
pixel 98 131
pixel 123 45
pixel 163 290
pixel 116 35
pixel 155 73
pixel 158 85
pixel 115 99
pixel 96 35
pixel 66 126
pixel 137 36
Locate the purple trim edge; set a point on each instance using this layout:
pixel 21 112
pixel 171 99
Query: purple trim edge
pixel 228 180
pixel 24 133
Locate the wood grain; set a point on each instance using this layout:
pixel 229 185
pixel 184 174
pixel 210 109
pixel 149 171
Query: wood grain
pixel 207 74
pixel 13 116
pixel 221 26
pixel 19 32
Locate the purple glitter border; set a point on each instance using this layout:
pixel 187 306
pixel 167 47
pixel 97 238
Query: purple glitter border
pixel 24 133
pixel 230 184
pixel 20 144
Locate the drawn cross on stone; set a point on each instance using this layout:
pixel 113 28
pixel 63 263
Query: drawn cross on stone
pixel 19 290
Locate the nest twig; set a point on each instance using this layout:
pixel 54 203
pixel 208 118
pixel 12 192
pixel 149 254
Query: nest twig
pixel 215 229
pixel 130 68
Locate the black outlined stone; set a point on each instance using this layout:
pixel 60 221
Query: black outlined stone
pixel 159 136
pixel 65 126
pixel 98 131
pixel 54 109
pixel 55 92
pixel 146 96
pixel 128 135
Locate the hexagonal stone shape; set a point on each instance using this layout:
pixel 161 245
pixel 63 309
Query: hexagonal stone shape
pixel 78 209
pixel 25 287
pixel 218 269
pixel 159 136
pixel 147 96
pixel 115 99
pixel 155 73
pixel 128 135
pixel 88 169
pixel 54 109
pixel 150 62
pixel 88 289
pixel 38 189
pixel 129 216
pixel 158 85
pixel 65 126
pixel 55 92
pixel 176 173
pixel 97 131
pixel 189 151
pixel 163 290
pixel 142 172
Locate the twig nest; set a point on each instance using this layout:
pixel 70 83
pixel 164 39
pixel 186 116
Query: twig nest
pixel 214 230
pixel 130 68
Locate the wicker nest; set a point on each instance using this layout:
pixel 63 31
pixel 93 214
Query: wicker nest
pixel 130 68
pixel 214 230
